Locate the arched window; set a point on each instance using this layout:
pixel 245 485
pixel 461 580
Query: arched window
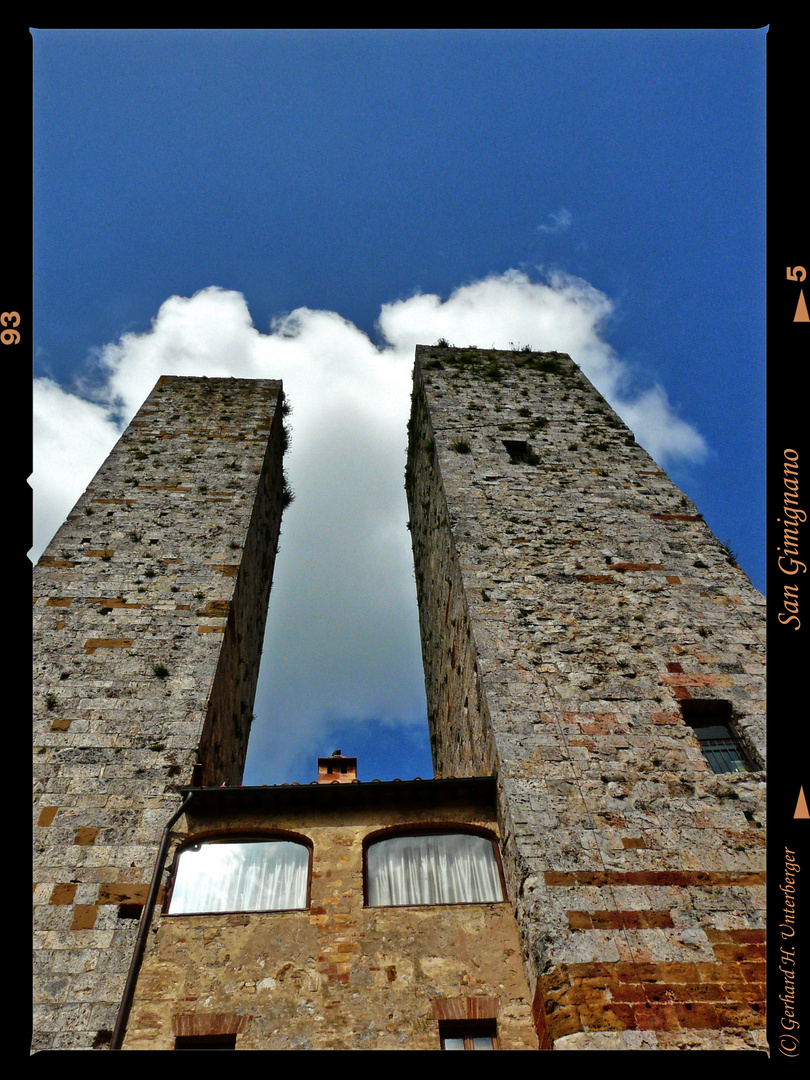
pixel 240 874
pixel 432 868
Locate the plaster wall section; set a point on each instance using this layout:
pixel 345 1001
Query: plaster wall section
pixel 339 975
pixel 574 607
pixel 149 609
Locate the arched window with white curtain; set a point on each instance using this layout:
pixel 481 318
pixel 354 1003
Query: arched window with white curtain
pixel 240 874
pixel 432 868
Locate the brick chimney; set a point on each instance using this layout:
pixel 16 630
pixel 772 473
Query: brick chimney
pixel 337 769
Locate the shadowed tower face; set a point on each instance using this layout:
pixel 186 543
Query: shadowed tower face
pixel 587 639
pixel 149 613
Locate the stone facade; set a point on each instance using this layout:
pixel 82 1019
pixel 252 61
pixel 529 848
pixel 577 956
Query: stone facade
pixel 339 974
pixel 579 623
pixel 149 613
pixel 580 627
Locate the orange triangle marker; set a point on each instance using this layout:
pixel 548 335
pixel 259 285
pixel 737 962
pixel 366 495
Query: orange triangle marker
pixel 801 805
pixel 801 309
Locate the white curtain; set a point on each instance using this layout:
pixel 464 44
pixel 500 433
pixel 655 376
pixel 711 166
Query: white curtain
pixel 247 875
pixel 431 868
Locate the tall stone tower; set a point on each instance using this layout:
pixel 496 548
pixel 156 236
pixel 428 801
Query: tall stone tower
pixel 588 640
pixel 149 613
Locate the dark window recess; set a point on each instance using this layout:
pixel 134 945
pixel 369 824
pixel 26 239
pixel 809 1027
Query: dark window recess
pixel 520 452
pixel 468 1034
pixel 205 1042
pixel 718 738
pixel 130 911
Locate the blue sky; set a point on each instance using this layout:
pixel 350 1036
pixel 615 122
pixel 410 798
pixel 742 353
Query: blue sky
pixel 310 204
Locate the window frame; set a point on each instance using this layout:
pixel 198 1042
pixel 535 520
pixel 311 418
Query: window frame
pixel 432 828
pixel 468 1030
pixel 237 836
pixel 710 712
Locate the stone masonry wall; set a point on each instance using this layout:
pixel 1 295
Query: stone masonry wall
pixel 574 607
pixel 149 611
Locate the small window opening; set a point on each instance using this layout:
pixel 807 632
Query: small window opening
pixel 520 452
pixel 718 738
pixel 468 1034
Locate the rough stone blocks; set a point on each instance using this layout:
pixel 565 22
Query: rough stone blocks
pixel 149 611
pixel 580 627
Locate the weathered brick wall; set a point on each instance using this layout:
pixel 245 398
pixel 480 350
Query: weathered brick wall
pixel 339 975
pixel 149 609
pixel 570 603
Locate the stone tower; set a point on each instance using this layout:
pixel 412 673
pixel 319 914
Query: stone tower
pixel 589 641
pixel 149 613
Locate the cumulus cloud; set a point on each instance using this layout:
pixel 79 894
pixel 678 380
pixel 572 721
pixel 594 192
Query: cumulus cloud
pixel 564 313
pixel 71 438
pixel 342 638
pixel 661 431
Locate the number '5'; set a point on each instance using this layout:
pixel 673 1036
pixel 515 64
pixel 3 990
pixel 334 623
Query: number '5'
pixel 796 274
pixel 10 337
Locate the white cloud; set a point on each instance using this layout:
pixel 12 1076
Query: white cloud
pixel 71 438
pixel 559 222
pixel 342 638
pixel 565 314
pixel 659 429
